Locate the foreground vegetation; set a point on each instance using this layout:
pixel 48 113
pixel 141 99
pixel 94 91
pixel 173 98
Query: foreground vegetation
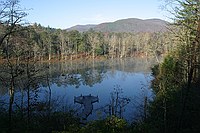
pixel 177 78
pixel 176 85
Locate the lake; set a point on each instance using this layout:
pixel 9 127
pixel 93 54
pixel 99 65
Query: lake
pixel 121 86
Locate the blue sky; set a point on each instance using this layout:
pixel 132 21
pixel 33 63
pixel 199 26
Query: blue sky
pixel 66 13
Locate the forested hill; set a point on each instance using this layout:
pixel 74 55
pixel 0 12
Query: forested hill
pixel 82 28
pixel 132 25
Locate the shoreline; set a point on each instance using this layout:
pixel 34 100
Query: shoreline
pixel 77 58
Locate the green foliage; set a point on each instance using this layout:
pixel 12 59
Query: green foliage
pixel 57 121
pixel 99 50
pixel 51 42
pixel 109 125
pixel 168 75
pixel 174 83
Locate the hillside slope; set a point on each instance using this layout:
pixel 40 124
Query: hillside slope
pixel 132 25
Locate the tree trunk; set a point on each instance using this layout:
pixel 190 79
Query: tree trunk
pixel 50 52
pixel 22 103
pixel 49 102
pixel 145 108
pixel 11 100
pixel 28 108
pixel 198 48
pixel 28 92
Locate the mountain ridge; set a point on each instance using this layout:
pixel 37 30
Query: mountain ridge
pixel 133 25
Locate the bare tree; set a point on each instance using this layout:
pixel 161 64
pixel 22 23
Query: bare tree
pixel 11 16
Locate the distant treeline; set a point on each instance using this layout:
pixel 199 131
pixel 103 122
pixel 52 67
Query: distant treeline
pixel 47 43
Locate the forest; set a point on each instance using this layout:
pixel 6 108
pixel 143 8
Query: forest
pixel 56 44
pixel 175 107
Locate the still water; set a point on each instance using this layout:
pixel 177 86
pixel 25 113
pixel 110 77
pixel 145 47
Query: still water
pixel 129 78
pixel 120 85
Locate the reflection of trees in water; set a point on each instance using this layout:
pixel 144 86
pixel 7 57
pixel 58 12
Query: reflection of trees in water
pixel 117 104
pixel 74 73
pixel 30 100
pixel 141 101
pixel 62 73
pixel 132 108
pixel 131 64
pixel 89 73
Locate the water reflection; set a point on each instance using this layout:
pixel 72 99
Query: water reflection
pixel 67 80
pixel 87 101
pixel 117 103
